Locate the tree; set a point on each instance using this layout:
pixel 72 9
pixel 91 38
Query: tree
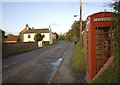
pixel 61 37
pixel 2 35
pixel 116 34
pixel 38 37
pixel 10 34
pixel 74 33
pixel 116 16
pixel 56 35
pixel 18 39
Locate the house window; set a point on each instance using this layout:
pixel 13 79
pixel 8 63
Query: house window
pixel 28 36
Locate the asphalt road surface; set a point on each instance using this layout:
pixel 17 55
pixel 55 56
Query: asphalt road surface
pixel 35 66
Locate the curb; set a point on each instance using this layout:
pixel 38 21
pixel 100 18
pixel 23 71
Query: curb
pixel 58 66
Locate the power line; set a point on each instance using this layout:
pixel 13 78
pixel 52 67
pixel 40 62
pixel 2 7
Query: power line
pixel 93 5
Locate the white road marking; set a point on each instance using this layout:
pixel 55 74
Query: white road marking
pixel 6 66
pixel 14 62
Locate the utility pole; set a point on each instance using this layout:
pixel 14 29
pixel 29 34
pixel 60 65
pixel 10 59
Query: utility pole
pixel 81 41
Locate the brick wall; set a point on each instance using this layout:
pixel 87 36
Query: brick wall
pixel 16 46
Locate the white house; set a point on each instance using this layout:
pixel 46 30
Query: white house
pixel 30 33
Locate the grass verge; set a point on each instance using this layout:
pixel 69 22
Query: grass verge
pixel 78 58
pixel 79 64
pixel 108 76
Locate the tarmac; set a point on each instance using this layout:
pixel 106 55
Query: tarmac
pixel 64 73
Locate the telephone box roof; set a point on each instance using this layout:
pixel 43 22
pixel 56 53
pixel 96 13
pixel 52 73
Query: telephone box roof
pixel 96 14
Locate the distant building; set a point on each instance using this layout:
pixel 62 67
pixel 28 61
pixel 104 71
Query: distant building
pixel 28 35
pixel 11 38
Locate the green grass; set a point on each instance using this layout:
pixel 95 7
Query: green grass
pixel 78 58
pixel 15 52
pixel 79 64
pixel 108 76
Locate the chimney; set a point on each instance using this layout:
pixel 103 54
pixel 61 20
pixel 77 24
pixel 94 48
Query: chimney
pixel 49 28
pixel 27 26
pixel 32 27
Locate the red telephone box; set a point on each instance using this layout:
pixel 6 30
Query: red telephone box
pixel 99 42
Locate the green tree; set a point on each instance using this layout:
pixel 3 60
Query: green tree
pixel 2 32
pixel 57 35
pixel 61 37
pixel 74 33
pixel 38 37
pixel 116 35
pixel 18 39
pixel 10 34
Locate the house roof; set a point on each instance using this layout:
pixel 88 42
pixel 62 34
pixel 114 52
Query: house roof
pixel 44 30
pixel 11 38
pixel 26 26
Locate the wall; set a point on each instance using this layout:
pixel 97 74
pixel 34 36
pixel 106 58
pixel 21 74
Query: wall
pixel 31 39
pixel 17 46
pixel 51 40
pixel 46 38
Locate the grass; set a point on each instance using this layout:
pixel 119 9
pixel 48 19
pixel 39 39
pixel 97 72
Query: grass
pixel 78 58
pixel 79 64
pixel 15 52
pixel 108 76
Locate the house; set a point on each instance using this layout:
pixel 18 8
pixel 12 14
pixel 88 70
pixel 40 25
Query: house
pixel 28 35
pixel 11 38
pixel 23 31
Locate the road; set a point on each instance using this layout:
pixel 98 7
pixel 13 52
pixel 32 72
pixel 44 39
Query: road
pixel 35 66
pixel 64 74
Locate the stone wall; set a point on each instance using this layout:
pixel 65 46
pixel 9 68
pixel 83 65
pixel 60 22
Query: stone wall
pixel 16 46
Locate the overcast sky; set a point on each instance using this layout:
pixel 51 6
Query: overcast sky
pixel 58 15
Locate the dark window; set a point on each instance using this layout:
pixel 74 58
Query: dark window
pixel 28 36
